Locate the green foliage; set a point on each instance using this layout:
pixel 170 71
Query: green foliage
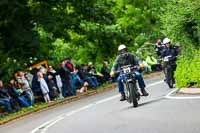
pixel 181 21
pixel 187 72
pixel 91 30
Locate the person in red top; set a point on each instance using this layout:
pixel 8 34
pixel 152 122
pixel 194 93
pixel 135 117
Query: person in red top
pixel 70 68
pixel 69 65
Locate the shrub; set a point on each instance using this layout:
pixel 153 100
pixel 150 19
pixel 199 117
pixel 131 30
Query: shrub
pixel 188 68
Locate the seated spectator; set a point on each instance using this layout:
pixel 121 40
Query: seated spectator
pixel 57 80
pixel 43 86
pixel 17 94
pixel 29 77
pixel 5 99
pixel 25 86
pixel 105 71
pixel 96 77
pixel 53 90
pixel 82 73
pixel 154 66
pixel 80 84
pixel 144 67
pixel 84 87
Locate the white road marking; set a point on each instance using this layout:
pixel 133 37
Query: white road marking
pixel 156 83
pixel 107 99
pixel 178 97
pixel 44 127
pixel 51 124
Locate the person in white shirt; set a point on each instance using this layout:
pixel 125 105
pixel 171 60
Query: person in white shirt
pixel 44 87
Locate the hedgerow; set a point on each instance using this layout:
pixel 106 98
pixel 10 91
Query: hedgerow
pixel 188 69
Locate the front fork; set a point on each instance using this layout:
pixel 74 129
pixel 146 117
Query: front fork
pixel 127 88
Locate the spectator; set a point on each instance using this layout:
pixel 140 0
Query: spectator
pixel 17 94
pixel 144 66
pixel 25 86
pixel 82 73
pixel 43 70
pixel 80 84
pixel 105 71
pixel 64 74
pixel 72 75
pixel 159 47
pixel 44 87
pixel 84 87
pixel 5 99
pixel 154 66
pixel 93 74
pixel 53 90
pixel 57 80
pixel 35 84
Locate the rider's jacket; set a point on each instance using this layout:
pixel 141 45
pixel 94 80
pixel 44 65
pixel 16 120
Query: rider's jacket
pixel 171 51
pixel 123 60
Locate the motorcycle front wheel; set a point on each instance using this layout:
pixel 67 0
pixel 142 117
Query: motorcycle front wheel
pixel 133 94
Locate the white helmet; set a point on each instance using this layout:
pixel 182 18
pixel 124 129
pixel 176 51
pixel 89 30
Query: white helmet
pixel 122 46
pixel 166 40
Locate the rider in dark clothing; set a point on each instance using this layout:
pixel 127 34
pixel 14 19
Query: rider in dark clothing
pixel 123 59
pixel 169 51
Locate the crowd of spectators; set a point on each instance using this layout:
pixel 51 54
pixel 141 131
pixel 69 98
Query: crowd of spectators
pixel 50 84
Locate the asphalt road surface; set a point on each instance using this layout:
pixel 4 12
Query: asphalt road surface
pixel 104 113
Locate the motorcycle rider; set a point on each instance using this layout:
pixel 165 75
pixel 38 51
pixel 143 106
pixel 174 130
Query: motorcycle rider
pixel 169 51
pixel 125 58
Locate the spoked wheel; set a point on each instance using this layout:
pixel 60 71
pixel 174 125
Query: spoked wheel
pixel 133 95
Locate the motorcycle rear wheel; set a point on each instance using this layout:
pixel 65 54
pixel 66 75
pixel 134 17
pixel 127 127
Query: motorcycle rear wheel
pixel 170 83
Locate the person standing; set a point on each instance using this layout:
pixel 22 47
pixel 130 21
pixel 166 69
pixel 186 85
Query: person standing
pixel 159 47
pixel 44 87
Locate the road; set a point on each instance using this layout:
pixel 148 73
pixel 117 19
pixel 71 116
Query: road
pixel 104 113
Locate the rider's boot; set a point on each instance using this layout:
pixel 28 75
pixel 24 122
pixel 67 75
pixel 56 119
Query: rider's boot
pixel 144 93
pixel 123 97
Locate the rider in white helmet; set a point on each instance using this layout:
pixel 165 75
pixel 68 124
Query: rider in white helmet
pixel 169 51
pixel 121 47
pixel 166 40
pixel 125 58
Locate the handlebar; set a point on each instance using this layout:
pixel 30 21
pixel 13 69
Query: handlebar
pixel 127 68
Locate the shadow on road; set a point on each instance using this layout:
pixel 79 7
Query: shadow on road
pixel 146 103
pixel 151 101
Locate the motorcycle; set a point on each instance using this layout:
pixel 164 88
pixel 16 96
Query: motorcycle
pixel 168 62
pixel 130 84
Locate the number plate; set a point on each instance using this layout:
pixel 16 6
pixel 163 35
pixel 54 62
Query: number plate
pixel 127 70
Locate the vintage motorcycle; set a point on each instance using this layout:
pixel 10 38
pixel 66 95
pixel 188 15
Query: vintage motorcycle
pixel 130 84
pixel 168 67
